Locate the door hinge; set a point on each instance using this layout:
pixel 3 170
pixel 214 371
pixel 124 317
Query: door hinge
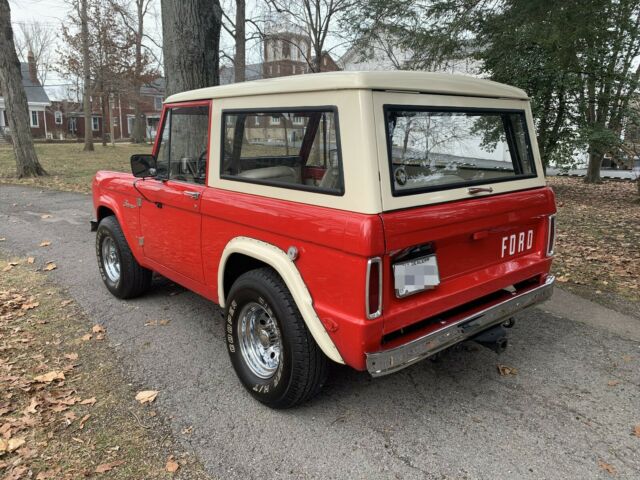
pixel 141 241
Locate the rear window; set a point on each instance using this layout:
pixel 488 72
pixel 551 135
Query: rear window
pixel 296 148
pixel 437 149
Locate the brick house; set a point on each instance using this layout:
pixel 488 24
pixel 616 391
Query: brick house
pixel 285 52
pixel 67 117
pixel 37 101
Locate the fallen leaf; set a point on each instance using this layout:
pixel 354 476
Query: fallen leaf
pixel 610 469
pixel 505 371
pixel 65 303
pixel 30 306
pixel 86 338
pixel 83 420
pixel 147 396
pixel 50 377
pixel 97 328
pixel 45 243
pixel 31 260
pixel 71 356
pixel 88 401
pixel 613 383
pixel 46 215
pixel 50 266
pixel 107 467
pixel 32 406
pixel 12 444
pixel 636 431
pixel 172 465
pixel 2 239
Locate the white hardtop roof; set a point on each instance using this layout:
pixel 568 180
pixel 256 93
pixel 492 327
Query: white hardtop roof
pixel 399 80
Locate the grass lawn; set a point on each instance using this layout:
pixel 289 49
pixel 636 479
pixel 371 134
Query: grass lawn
pixel 598 245
pixel 66 410
pixel 70 168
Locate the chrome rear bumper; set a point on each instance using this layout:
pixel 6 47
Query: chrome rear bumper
pixel 388 361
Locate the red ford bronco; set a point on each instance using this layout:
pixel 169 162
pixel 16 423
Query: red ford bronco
pixel 369 219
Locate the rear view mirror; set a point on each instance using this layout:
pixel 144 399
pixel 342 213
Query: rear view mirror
pixel 143 165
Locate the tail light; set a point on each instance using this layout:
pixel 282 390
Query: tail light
pixel 373 293
pixel 551 237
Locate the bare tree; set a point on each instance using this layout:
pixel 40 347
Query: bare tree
pixel 86 75
pixel 191 41
pixel 142 73
pixel 27 164
pixel 37 38
pixel 241 42
pixel 317 19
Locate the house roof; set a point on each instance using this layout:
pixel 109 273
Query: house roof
pixel 35 92
pixel 252 71
pixel 438 83
pixel 156 87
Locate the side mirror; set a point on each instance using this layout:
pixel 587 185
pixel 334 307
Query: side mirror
pixel 143 165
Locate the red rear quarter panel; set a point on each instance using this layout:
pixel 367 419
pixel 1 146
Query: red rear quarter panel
pixel 333 248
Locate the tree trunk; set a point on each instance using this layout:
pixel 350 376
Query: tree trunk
pixel 86 77
pixel 240 38
pixel 104 101
pixel 15 98
pixel 139 122
pixel 191 40
pixel 593 170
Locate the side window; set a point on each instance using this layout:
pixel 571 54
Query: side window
pixel 288 148
pixel 184 142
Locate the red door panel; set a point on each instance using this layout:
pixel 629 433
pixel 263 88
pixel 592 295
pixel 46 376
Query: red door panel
pixel 171 225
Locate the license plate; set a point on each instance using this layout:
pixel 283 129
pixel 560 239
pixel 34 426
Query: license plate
pixel 416 275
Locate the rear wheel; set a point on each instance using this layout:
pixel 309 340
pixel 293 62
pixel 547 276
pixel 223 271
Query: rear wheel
pixel 274 355
pixel 120 272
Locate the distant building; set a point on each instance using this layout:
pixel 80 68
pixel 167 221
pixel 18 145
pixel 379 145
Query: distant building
pixel 286 51
pixel 66 119
pixel 37 101
pixel 381 52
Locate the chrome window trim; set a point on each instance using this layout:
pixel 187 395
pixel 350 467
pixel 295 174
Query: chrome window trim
pixel 378 312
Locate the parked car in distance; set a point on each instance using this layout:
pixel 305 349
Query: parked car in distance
pixel 371 219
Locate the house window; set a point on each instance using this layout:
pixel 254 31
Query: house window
pixel 275 120
pixel 73 125
pixel 130 121
pixel 257 119
pixel 58 117
pixel 298 120
pixel 34 119
pixel 157 103
pixel 95 124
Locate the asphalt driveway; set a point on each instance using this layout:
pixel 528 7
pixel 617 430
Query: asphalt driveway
pixel 573 403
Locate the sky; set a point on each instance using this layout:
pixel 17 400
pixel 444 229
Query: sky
pixel 53 13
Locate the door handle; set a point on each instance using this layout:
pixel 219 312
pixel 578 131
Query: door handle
pixel 474 190
pixel 194 195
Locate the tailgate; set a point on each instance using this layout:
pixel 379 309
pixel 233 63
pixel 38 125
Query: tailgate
pixel 481 245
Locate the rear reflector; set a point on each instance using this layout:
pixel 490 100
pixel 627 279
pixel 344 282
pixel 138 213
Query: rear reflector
pixel 551 238
pixel 373 293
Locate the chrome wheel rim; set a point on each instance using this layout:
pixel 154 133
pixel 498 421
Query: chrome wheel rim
pixel 110 259
pixel 260 340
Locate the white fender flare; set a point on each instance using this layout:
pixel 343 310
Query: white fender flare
pixel 281 263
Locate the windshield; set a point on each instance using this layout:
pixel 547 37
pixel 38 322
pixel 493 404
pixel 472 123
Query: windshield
pixel 432 149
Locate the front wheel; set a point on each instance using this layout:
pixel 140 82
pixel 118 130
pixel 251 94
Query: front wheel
pixel 120 272
pixel 274 355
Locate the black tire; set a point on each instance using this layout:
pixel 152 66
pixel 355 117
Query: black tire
pixel 302 368
pixel 133 280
